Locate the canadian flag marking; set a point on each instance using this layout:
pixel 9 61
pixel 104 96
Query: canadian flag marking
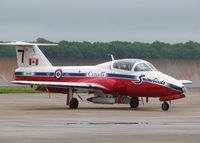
pixel 33 61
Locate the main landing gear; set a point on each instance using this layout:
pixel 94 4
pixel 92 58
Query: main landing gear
pixel 134 102
pixel 165 106
pixel 71 101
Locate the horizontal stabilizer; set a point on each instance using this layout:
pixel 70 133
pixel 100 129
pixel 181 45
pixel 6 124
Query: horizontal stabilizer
pixel 21 43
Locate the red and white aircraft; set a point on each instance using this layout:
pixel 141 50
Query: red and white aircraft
pixel 117 81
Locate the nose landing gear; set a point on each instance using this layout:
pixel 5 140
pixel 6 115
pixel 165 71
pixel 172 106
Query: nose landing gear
pixel 165 106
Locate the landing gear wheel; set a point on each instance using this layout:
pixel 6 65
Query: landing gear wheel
pixel 134 102
pixel 73 103
pixel 165 106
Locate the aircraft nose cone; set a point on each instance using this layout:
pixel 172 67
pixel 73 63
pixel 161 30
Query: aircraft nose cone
pixel 184 89
pixel 173 83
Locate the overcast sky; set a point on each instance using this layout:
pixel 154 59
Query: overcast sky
pixel 100 20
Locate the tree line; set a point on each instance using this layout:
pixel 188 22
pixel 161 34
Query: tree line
pixel 120 49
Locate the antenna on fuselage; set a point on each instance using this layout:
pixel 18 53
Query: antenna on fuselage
pixel 112 57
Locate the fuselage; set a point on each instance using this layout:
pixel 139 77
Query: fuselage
pixel 120 77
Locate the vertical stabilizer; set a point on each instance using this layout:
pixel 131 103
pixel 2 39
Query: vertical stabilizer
pixel 29 54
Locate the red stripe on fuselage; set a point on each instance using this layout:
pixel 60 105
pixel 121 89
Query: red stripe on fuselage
pixel 121 86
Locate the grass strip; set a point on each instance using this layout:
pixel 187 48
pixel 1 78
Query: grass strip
pixel 17 89
pixel 26 89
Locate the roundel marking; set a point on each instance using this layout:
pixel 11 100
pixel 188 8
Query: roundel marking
pixel 58 74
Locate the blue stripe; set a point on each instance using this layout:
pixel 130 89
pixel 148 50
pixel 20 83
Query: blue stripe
pixel 121 76
pixel 74 74
pixel 19 73
pixel 43 74
pixel 64 74
pixel 80 74
pixel 174 87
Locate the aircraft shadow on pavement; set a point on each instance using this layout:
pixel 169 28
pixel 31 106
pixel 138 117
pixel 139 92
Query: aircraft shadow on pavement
pixel 92 109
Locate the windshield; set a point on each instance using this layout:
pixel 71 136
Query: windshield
pixel 152 67
pixel 123 65
pixel 142 67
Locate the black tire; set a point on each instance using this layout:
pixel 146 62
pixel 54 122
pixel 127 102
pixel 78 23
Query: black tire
pixel 73 103
pixel 165 106
pixel 134 102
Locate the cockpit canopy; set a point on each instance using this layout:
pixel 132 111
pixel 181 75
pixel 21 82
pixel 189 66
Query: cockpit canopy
pixel 133 65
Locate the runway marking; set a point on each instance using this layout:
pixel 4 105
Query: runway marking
pixel 108 123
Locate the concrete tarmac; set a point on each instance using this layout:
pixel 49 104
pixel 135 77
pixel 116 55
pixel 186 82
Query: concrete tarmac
pixel 32 118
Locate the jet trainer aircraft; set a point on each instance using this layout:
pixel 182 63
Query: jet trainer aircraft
pixel 117 81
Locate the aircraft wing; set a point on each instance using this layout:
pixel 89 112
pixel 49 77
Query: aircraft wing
pixel 62 84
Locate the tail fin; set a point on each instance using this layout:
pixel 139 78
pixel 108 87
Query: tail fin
pixel 29 54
